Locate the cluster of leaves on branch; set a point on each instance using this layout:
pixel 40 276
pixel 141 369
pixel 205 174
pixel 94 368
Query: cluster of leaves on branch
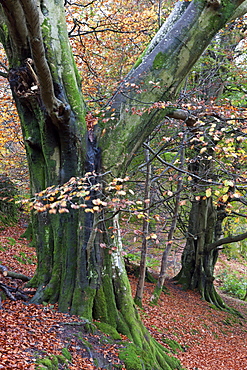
pixel 83 193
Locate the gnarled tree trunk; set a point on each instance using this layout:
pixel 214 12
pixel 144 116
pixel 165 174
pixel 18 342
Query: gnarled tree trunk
pixel 197 261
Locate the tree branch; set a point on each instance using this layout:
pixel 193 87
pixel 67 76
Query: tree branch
pixel 13 16
pixel 38 53
pixel 157 76
pixel 15 275
pixel 178 10
pixel 239 199
pixel 184 115
pixel 229 239
pixel 180 169
pixel 241 10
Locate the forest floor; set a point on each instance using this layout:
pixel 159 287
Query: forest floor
pixel 208 338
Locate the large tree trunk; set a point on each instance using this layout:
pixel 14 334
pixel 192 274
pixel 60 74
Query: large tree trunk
pixel 197 262
pixel 204 226
pixel 51 109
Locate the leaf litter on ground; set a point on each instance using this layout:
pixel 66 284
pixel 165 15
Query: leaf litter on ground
pixel 208 338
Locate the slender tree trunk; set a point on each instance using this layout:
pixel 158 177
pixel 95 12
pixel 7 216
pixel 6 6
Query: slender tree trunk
pixel 145 232
pixel 166 253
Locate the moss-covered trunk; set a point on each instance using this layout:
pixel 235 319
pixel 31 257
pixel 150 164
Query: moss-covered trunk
pixel 198 263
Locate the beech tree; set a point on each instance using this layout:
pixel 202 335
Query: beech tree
pixel 73 269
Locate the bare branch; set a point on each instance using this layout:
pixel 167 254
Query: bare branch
pixel 184 115
pixel 66 2
pixel 38 53
pixel 238 199
pixel 180 169
pixel 229 239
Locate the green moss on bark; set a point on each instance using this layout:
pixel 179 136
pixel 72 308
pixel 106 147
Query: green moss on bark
pixel 135 358
pixel 175 346
pixel 160 61
pixel 83 299
pixel 131 357
pixel 100 311
pixel 108 329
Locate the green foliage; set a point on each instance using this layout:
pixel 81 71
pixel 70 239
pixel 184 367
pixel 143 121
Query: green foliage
pixel 135 257
pixel 66 354
pixel 232 284
pixel 8 207
pixel 236 226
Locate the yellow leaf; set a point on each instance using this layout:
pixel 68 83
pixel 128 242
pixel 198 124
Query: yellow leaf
pixel 203 150
pixel 96 202
pixel 53 210
pixel 121 192
pixel 63 210
pixel 228 183
pixel 225 198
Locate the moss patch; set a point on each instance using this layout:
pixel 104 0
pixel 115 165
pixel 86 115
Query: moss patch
pixel 160 61
pixel 131 356
pixel 52 362
pixel 108 329
pixel 175 346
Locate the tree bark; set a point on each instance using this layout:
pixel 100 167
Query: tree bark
pixel 166 252
pixel 145 232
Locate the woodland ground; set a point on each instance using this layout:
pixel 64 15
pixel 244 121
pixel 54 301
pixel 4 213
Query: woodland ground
pixel 208 338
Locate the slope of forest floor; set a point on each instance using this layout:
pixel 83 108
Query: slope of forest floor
pixel 196 333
